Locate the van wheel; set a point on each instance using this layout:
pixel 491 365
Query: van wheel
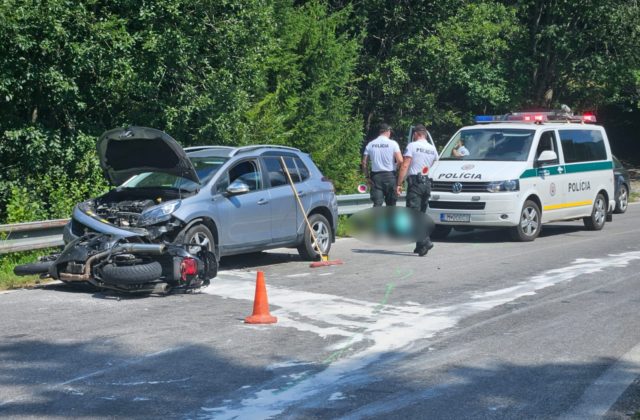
pixel 322 231
pixel 530 223
pixel 440 232
pixel 199 235
pixel 598 214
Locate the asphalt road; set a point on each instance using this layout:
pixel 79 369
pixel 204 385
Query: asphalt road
pixel 480 328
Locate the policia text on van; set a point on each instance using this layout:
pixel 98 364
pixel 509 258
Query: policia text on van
pixel 523 170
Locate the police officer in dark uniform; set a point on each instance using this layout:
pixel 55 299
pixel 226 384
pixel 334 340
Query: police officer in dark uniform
pixel 419 156
pixel 385 157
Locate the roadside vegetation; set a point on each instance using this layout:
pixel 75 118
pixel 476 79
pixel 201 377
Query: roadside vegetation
pixel 7 261
pixel 318 75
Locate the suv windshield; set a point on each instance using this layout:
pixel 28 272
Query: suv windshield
pixel 489 144
pixel 205 167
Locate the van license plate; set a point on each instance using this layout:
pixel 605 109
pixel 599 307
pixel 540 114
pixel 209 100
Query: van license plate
pixel 455 217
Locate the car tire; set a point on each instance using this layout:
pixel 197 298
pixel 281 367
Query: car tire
pixel 131 274
pixel 622 200
pixel 440 232
pixel 322 230
pixel 598 214
pixel 200 235
pixel 32 268
pixel 529 225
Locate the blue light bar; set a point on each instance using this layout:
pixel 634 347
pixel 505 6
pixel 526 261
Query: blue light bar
pixel 485 118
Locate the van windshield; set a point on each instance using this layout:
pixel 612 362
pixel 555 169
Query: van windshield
pixel 489 144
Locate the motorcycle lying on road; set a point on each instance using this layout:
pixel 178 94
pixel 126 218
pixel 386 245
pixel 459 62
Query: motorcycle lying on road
pixel 113 262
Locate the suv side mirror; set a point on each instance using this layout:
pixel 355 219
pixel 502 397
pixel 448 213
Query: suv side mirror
pixel 237 187
pixel 547 157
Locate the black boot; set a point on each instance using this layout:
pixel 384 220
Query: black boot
pixel 424 249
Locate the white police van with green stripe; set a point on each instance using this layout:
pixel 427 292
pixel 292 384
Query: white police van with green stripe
pixel 521 170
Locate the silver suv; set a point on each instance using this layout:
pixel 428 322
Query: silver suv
pixel 229 200
pixel 176 211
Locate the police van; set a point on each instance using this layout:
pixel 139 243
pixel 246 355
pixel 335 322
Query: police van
pixel 521 170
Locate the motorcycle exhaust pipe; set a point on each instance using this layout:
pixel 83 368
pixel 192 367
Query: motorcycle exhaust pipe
pixel 152 249
pixel 161 288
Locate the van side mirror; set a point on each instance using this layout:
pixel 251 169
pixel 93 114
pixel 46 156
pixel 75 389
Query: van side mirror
pixel 237 187
pixel 546 157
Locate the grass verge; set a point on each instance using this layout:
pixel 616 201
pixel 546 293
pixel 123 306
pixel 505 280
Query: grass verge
pixel 342 226
pixel 8 280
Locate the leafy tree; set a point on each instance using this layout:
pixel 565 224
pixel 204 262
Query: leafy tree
pixel 71 70
pixel 433 62
pixel 309 99
pixel 581 53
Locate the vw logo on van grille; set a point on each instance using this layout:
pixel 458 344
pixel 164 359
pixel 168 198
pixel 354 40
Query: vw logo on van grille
pixel 456 187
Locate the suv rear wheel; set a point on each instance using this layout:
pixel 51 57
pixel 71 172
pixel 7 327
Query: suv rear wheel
pixel 322 232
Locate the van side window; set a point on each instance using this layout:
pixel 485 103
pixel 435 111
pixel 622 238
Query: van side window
pixel 547 142
pixel 582 145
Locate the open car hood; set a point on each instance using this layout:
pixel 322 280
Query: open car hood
pixel 125 152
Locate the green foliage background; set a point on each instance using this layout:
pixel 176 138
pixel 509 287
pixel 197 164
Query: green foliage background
pixel 318 75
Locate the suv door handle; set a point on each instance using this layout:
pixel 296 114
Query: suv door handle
pixel 262 201
pixel 301 193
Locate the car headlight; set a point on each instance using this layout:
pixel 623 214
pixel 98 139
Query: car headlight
pixel 509 185
pixel 86 206
pixel 157 214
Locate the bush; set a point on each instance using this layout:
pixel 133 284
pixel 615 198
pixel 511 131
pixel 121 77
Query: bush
pixel 52 196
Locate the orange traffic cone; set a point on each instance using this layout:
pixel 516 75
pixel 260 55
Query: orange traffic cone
pixel 261 313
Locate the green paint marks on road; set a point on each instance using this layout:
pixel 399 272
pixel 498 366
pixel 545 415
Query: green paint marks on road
pixel 336 355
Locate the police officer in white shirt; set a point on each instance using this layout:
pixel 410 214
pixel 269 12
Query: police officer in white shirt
pixel 385 156
pixel 418 158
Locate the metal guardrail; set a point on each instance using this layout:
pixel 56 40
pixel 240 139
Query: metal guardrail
pixel 48 233
pixel 31 235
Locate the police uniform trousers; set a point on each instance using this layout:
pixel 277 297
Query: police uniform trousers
pixel 418 192
pixel 383 188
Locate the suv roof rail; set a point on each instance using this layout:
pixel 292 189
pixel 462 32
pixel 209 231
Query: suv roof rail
pixel 261 146
pixel 198 148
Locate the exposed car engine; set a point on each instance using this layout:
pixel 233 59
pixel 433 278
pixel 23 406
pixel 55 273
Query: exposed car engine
pixel 123 213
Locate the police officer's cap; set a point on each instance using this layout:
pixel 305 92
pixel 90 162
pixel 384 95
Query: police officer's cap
pixel 384 127
pixel 419 128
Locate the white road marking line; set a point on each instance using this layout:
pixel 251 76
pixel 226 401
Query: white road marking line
pixel 336 396
pixel 282 365
pixel 98 372
pixel 298 275
pixel 600 396
pixel 390 329
pixel 169 381
pixel 124 364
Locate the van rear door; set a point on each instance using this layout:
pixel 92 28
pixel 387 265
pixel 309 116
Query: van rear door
pixel 587 167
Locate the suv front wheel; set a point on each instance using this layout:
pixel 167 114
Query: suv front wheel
pixel 199 236
pixel 322 232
